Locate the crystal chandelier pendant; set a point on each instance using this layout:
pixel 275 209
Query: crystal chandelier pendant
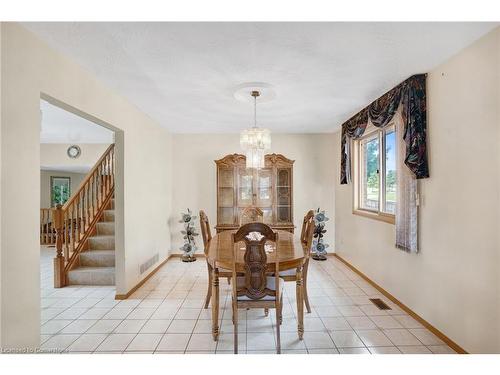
pixel 255 141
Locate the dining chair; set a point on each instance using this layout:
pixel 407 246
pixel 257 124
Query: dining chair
pixel 257 288
pixel 251 215
pixel 306 237
pixel 207 236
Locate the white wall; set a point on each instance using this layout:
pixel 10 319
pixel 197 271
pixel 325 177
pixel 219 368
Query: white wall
pixel 54 161
pixel 55 154
pixel 45 193
pixel 30 68
pixel 453 282
pixel 194 175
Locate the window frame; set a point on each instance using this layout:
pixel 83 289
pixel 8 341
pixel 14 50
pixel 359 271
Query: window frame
pixel 372 132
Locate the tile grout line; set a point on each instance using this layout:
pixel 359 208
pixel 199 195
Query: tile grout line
pixel 146 320
pixel 342 288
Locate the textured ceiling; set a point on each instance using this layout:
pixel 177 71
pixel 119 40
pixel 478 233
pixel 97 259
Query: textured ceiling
pixel 183 74
pixel 60 126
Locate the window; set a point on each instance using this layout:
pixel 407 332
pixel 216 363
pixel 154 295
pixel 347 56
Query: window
pixel 390 172
pixel 60 190
pixel 370 176
pixel 375 174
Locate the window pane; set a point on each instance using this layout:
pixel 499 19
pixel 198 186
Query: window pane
pixel 60 190
pixel 370 184
pixel 390 172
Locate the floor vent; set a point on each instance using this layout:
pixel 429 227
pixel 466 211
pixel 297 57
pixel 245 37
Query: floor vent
pixel 380 304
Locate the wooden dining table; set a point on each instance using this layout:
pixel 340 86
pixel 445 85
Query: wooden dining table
pixel 291 254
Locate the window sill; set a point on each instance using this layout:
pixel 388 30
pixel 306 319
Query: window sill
pixel 387 218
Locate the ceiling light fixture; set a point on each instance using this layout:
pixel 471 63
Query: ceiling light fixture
pixel 255 141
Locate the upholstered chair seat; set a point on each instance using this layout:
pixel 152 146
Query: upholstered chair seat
pixel 290 272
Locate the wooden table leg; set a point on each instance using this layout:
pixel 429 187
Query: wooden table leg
pixel 215 303
pixel 300 304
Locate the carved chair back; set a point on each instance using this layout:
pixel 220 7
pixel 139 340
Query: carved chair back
pixel 307 239
pixel 251 215
pixel 308 219
pixel 205 230
pixel 255 259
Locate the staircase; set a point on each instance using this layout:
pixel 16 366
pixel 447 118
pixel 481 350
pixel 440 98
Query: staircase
pixel 84 229
pixel 96 264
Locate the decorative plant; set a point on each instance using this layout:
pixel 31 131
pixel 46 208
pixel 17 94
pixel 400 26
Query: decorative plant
pixel 318 246
pixel 188 233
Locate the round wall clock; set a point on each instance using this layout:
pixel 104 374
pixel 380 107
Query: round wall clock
pixel 74 151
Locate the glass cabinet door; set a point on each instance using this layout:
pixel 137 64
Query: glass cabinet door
pixel 264 188
pixel 283 196
pixel 225 196
pixel 245 187
pixel 264 193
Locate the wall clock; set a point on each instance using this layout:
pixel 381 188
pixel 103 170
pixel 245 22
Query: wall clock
pixel 74 151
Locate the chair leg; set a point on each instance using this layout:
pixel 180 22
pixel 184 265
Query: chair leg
pixel 300 304
pixel 281 313
pixel 209 291
pixel 235 327
pixel 304 291
pixel 278 338
pixel 266 311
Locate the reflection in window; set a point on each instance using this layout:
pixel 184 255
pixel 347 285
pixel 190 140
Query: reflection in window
pixel 370 184
pixel 390 172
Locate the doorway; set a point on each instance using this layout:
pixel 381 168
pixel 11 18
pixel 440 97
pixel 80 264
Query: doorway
pixel 79 184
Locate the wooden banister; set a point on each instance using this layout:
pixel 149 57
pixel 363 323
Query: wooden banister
pixel 92 172
pixel 47 228
pixel 75 221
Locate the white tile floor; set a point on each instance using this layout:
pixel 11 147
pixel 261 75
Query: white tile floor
pixel 166 316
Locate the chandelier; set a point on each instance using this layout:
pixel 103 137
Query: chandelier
pixel 255 141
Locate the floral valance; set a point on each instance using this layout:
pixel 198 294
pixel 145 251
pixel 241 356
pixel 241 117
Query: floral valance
pixel 410 94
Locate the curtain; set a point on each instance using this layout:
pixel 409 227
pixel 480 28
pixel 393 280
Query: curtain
pixel 406 105
pixel 352 129
pixel 411 95
pixel 406 194
pixel 414 117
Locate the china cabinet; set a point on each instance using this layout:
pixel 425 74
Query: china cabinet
pixel 269 188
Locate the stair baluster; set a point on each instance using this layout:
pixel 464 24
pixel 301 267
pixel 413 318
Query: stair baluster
pixel 59 260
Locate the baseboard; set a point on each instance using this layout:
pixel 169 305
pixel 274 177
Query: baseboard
pixel 141 283
pixel 405 308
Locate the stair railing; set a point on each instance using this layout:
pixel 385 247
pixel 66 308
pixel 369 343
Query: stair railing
pixel 76 220
pixel 47 231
